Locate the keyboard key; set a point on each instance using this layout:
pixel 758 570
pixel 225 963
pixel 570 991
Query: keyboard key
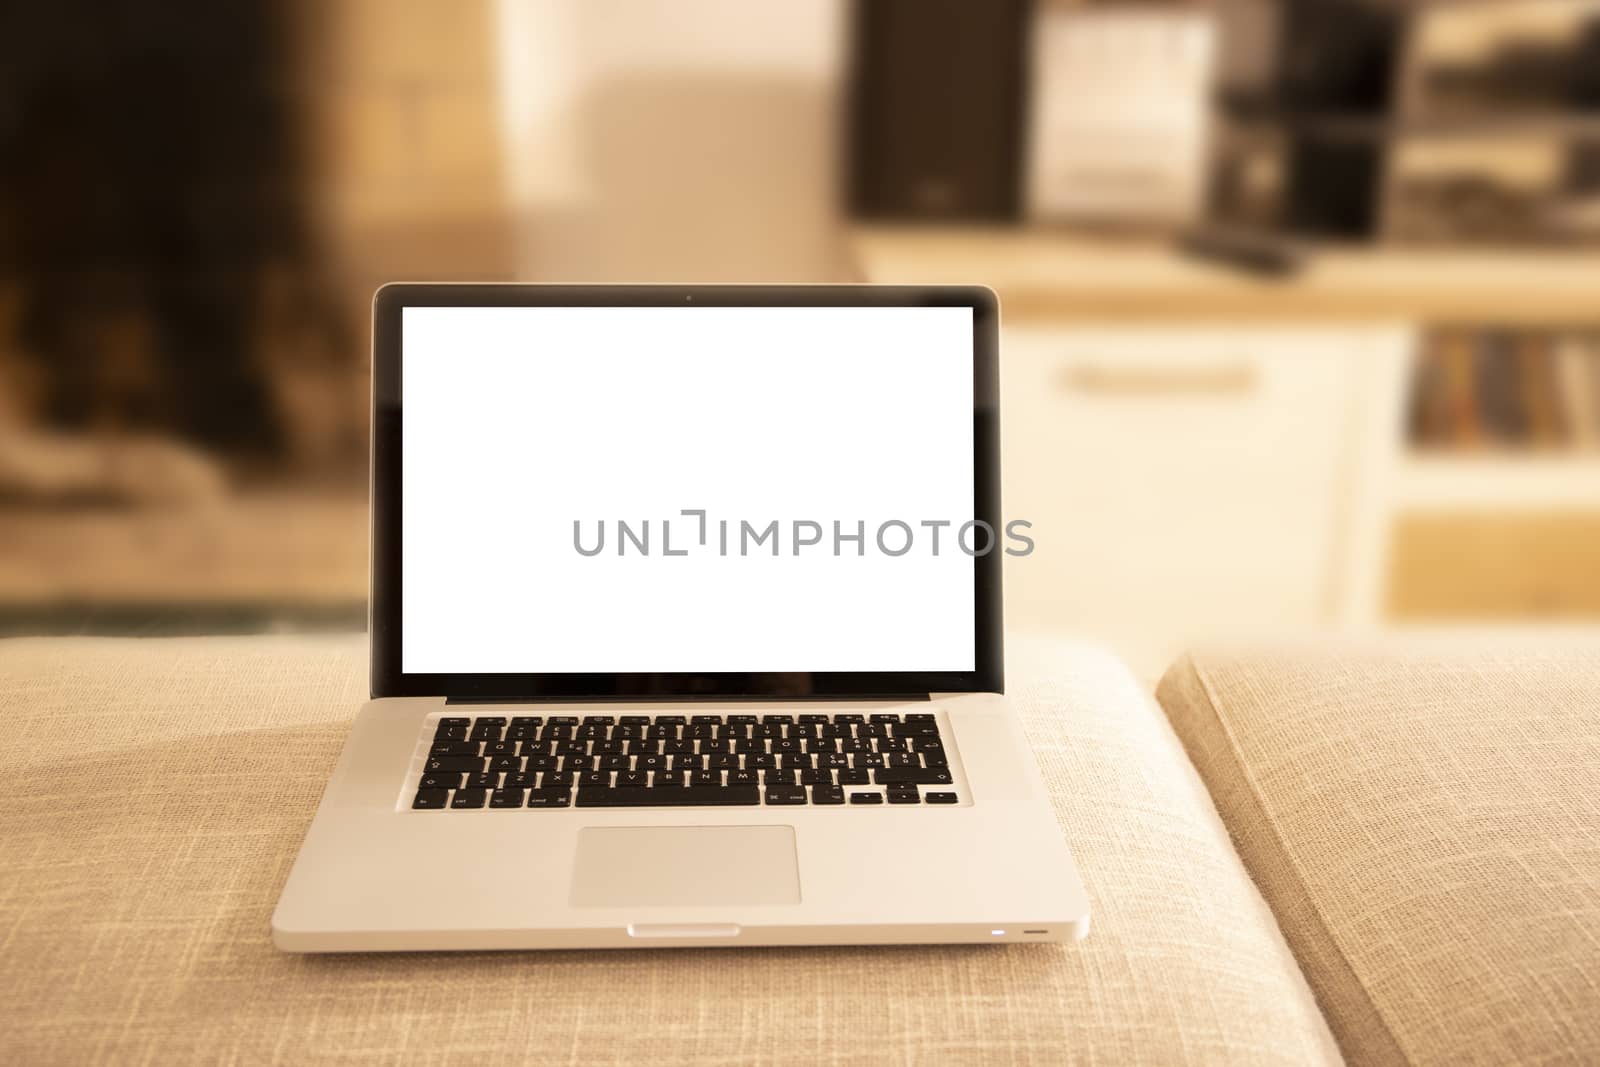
pixel 635 720
pixel 885 718
pixel 904 796
pixel 594 778
pixel 935 759
pixel 487 780
pixel 816 778
pixel 911 775
pixel 827 794
pixel 453 765
pixel 866 798
pixel 625 797
pixel 455 720
pixel 454 748
pixel 439 781
pixel 858 776
pixel 637 778
pixel 506 798
pixel 469 798
pixel 430 798
pixel 743 777
pixel 940 798
pixel 786 794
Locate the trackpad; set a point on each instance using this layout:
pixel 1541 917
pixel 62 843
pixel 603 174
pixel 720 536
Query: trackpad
pixel 623 866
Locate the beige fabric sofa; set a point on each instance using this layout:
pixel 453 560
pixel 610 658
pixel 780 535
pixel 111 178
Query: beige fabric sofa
pixel 1406 885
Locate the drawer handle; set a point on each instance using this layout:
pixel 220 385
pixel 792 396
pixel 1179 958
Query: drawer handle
pixel 1221 380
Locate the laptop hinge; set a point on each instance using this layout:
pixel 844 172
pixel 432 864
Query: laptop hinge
pixel 692 698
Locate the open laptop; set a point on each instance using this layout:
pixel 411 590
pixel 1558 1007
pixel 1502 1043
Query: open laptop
pixel 686 630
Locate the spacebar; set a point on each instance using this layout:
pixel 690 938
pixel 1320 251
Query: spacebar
pixel 598 796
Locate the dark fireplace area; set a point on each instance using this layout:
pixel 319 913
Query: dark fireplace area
pixel 159 253
pixel 182 381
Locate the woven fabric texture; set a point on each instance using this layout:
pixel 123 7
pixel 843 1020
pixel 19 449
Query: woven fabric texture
pixel 160 789
pixel 1426 826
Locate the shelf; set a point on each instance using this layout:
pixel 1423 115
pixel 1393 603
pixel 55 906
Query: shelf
pixel 1065 275
pixel 1498 481
pixel 1379 127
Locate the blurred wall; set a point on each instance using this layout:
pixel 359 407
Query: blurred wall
pixel 404 121
pixel 696 140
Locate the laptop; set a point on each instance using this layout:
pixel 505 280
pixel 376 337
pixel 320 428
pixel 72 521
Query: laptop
pixel 685 630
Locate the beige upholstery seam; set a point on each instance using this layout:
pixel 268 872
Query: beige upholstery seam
pixel 1257 798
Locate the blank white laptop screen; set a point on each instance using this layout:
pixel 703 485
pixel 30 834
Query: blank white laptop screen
pixel 830 450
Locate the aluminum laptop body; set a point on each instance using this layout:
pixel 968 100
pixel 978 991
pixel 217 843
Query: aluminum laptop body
pixel 686 630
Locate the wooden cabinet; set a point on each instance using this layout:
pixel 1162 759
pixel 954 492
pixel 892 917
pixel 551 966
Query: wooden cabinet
pixel 1189 480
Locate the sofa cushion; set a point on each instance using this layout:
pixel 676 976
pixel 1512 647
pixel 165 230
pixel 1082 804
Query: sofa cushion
pixel 1426 825
pixel 160 790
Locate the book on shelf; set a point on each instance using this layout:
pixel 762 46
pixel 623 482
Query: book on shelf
pixel 1510 389
pixel 1578 372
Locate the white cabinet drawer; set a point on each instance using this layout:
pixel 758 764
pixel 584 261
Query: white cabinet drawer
pixel 1197 474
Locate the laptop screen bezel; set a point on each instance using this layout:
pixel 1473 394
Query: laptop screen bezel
pixel 384 622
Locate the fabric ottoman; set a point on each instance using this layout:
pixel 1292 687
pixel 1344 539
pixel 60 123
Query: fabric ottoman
pixel 1424 819
pixel 160 789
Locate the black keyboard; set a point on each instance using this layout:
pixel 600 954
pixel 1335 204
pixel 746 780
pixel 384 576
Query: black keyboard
pixel 655 761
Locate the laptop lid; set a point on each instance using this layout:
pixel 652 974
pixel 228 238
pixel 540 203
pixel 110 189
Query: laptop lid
pixel 685 491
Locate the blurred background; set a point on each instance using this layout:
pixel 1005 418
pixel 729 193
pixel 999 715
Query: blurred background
pixel 1302 297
